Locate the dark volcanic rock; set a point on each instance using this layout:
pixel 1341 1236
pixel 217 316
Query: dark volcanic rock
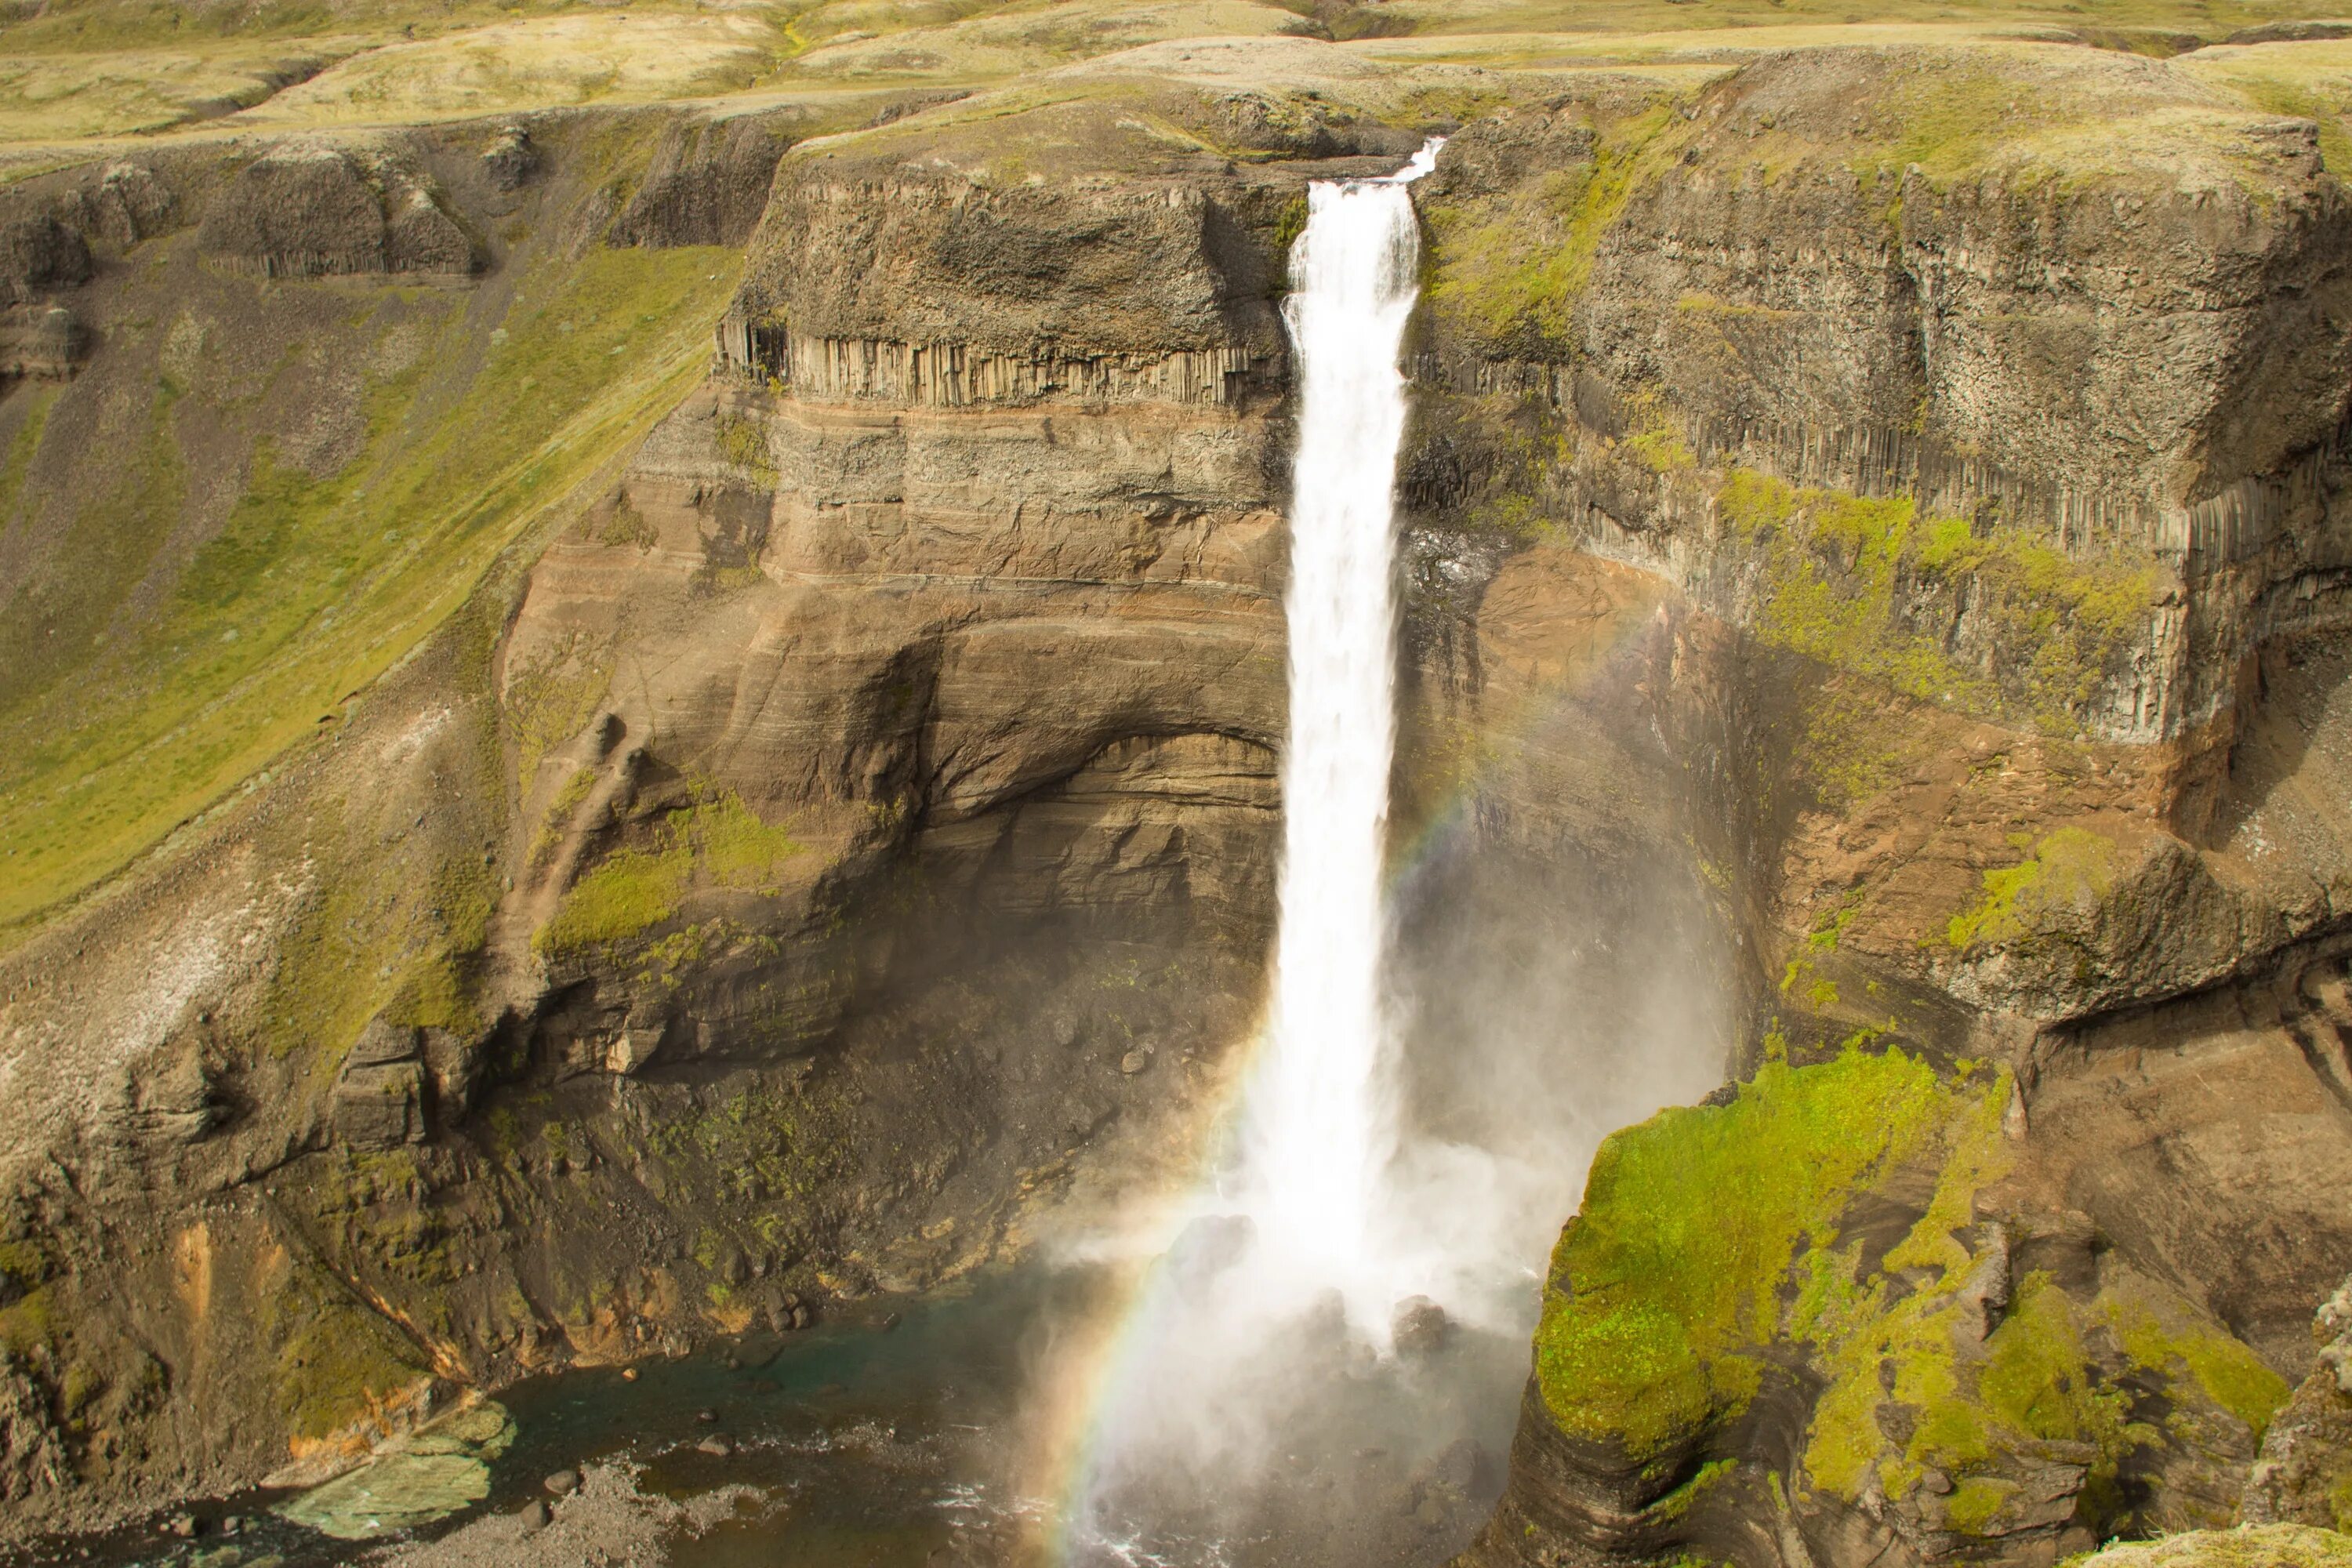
pixel 38 256
pixel 309 211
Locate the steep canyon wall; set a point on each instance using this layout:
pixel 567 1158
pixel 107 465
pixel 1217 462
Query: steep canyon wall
pixel 1875 624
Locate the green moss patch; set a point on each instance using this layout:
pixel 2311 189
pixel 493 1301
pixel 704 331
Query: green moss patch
pixel 316 584
pixel 1865 585
pixel 2227 1370
pixel 2071 868
pixel 1509 270
pixel 717 838
pixel 336 1362
pixel 1668 1282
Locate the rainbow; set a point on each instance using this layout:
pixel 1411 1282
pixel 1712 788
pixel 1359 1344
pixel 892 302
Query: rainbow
pixel 1077 1406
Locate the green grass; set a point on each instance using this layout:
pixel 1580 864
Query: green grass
pixel 2255 1546
pixel 316 584
pixel 1668 1282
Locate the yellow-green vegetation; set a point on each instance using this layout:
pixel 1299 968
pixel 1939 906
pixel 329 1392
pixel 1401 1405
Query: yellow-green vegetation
pixel 1510 269
pixel 2230 1375
pixel 559 812
pixel 2309 81
pixel 1907 1334
pixel 1711 1233
pixel 27 1319
pixel 614 56
pixel 1684 1498
pixel 1666 1283
pixel 634 890
pixel 371 941
pixel 551 698
pixel 316 584
pixel 337 1361
pixel 1630 20
pixel 57 96
pixel 1843 578
pixel 744 443
pixel 35 404
pixel 2070 870
pixel 2248 1546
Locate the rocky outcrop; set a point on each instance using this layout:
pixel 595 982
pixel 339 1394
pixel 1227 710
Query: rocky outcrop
pixel 39 256
pixel 1976 811
pixel 2305 1474
pixel 305 212
pixel 378 1102
pixel 1966 333
pixel 706 183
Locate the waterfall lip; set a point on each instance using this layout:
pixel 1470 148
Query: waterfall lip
pixel 1424 159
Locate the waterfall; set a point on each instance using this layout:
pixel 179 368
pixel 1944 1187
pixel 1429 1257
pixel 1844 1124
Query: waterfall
pixel 1319 1122
pixel 1289 1265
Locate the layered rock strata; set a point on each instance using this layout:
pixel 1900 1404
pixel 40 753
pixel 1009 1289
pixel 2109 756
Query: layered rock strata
pixel 2002 503
pixel 851 805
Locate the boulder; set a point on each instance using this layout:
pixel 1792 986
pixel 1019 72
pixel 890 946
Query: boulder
pixel 1420 1327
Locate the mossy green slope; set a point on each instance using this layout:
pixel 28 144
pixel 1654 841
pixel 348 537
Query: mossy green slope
pixel 1665 1285
pixel 126 709
pixel 1712 1244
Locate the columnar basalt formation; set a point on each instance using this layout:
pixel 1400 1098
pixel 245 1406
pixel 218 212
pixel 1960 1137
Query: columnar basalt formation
pixel 540 841
pixel 2005 479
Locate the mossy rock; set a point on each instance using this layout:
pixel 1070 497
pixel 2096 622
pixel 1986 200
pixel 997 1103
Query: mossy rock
pixel 440 1469
pixel 1668 1284
pixel 2249 1546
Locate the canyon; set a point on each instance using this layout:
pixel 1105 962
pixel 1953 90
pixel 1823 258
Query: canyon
pixel 634 725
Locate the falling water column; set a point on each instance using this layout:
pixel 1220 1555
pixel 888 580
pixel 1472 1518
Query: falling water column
pixel 1320 1121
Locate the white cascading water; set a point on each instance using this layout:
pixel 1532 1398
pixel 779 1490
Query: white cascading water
pixel 1213 1371
pixel 1319 1123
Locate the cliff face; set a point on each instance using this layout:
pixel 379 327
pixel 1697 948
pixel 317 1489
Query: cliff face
pixel 1996 470
pixel 845 800
pixel 1873 534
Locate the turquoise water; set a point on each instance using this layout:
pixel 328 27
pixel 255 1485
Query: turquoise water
pixel 891 1433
